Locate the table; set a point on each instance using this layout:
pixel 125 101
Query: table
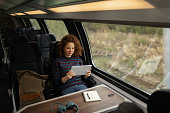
pixel 106 102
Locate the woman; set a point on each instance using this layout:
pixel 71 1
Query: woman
pixel 69 51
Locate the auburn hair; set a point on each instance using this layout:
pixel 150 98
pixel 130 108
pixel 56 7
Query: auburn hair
pixel 70 38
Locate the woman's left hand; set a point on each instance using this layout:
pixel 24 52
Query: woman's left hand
pixel 87 74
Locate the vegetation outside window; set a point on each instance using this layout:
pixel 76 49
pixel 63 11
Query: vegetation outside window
pixel 35 24
pixel 134 54
pixel 56 27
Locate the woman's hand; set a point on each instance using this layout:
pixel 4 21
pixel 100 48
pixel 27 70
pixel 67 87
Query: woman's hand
pixel 70 74
pixel 87 74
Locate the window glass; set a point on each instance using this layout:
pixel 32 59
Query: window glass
pixel 135 54
pixel 35 24
pixel 56 27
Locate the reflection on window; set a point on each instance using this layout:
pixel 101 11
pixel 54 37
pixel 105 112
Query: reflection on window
pixel 134 54
pixel 58 28
pixel 35 24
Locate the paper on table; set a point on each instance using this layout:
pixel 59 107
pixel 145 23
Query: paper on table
pixel 81 70
pixel 91 96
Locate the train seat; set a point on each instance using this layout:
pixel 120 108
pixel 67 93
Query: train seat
pixel 44 41
pixel 30 59
pixel 30 32
pixel 24 30
pixel 128 107
pixel 24 56
pixel 158 102
pixel 49 88
pixel 11 37
pixel 1 54
pixel 33 34
pixel 53 51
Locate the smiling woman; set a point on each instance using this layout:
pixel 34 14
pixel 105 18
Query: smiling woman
pixel 66 80
pixel 69 49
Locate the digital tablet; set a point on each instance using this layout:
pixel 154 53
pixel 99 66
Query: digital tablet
pixel 81 70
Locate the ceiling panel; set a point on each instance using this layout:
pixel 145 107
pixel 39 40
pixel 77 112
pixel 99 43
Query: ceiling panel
pixel 12 4
pixel 7 4
pixel 50 3
pixel 160 14
pixel 161 3
pixel 22 9
pixel 15 6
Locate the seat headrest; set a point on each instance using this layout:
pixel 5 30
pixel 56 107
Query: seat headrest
pixel 127 107
pixel 158 101
pixel 45 39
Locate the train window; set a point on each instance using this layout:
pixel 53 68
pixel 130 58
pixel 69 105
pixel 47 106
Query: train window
pixel 57 27
pixel 135 54
pixel 35 24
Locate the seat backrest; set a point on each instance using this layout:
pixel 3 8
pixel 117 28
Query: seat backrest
pixel 24 30
pixel 11 37
pixel 53 51
pixel 33 34
pixel 26 56
pixel 29 32
pixel 44 41
pixel 1 52
pixel 52 36
pixel 159 102
pixel 128 107
pixel 1 58
pixel 49 90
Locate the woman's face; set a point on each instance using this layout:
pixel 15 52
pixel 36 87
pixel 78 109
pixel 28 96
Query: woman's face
pixel 69 49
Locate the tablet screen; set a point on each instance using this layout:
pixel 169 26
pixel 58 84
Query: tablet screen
pixel 81 70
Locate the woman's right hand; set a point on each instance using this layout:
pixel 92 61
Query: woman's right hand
pixel 70 74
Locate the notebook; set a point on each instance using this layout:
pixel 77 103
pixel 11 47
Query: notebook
pixel 90 96
pixel 80 70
